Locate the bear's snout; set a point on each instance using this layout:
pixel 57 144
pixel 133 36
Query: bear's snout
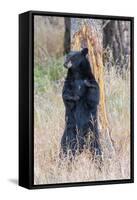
pixel 68 64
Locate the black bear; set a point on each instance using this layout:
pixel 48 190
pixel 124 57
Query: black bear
pixel 81 98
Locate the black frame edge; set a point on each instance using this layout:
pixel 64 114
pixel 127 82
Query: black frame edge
pixel 79 15
pixel 29 135
pixel 132 102
pixel 24 133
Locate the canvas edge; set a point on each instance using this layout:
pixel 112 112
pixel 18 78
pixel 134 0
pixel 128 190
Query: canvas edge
pixel 30 162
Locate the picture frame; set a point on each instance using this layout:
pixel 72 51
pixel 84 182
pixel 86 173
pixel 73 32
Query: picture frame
pixel 26 101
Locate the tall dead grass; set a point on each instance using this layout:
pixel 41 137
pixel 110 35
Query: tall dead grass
pixel 48 38
pixel 49 127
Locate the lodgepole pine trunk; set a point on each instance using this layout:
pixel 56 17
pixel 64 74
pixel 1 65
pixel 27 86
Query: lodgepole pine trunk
pixel 116 36
pixel 88 37
pixel 67 39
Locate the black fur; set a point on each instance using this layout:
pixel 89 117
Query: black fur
pixel 81 98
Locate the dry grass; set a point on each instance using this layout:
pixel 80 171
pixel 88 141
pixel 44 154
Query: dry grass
pixel 48 38
pixel 49 127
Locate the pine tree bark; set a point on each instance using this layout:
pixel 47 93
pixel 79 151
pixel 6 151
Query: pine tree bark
pixel 67 35
pixel 116 36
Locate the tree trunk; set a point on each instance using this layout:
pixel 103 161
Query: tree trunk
pixel 67 35
pixel 88 37
pixel 116 36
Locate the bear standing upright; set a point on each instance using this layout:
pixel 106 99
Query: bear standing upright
pixel 81 98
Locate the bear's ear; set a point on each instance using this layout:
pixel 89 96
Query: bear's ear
pixel 84 51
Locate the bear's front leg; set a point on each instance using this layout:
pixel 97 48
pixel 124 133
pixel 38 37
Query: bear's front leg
pixel 69 97
pixel 68 93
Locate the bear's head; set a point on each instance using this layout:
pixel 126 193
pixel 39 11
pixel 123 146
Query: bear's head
pixel 75 58
pixel 77 63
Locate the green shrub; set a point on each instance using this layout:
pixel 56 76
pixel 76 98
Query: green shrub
pixel 45 77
